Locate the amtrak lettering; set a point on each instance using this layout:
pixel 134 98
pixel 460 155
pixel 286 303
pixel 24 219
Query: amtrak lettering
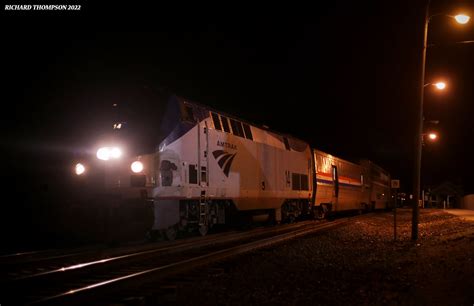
pixel 226 145
pixel 224 160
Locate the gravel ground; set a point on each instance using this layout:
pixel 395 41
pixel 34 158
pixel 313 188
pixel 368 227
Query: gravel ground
pixel 358 264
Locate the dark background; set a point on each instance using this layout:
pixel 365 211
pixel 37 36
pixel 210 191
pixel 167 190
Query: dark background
pixel 343 75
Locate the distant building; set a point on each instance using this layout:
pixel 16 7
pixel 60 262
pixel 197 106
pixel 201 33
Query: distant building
pixel 444 195
pixel 468 202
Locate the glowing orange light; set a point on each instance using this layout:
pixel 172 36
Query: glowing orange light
pixel 440 85
pixel 462 19
pixel 432 136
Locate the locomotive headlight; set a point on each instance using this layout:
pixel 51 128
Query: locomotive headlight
pixel 137 166
pixel 80 169
pixel 103 153
pixel 106 153
pixel 115 153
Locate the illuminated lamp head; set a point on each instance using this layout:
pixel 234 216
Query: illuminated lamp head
pixel 106 153
pixel 80 169
pixel 137 166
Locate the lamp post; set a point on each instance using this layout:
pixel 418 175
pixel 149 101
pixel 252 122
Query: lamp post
pixel 432 137
pixel 462 19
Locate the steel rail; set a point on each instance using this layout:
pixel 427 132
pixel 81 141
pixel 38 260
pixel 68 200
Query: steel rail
pixel 194 262
pixel 190 244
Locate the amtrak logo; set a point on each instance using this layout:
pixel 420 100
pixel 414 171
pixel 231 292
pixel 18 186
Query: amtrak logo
pixel 226 145
pixel 224 159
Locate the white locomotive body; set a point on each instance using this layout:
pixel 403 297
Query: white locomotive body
pixel 212 165
pixel 212 168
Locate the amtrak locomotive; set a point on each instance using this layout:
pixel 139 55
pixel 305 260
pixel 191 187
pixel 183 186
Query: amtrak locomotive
pixel 212 168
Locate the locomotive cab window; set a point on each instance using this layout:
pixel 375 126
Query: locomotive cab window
pixel 240 129
pixel 237 128
pixel 225 124
pixel 217 122
pixel 248 132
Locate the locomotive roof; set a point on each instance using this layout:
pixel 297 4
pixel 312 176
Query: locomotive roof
pixel 260 126
pixel 204 107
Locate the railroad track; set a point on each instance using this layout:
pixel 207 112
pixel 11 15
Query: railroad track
pixel 41 258
pixel 40 255
pixel 116 277
pixel 58 261
pixel 26 264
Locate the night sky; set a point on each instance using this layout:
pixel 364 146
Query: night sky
pixel 343 75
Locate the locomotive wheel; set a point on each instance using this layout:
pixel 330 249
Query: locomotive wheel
pixel 203 229
pixel 291 219
pixel 152 235
pixel 171 233
pixel 319 213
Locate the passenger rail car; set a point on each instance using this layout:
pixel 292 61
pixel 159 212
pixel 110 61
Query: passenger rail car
pixel 213 168
pixel 344 186
pixel 377 186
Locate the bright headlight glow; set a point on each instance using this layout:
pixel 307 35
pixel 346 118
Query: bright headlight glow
pixel 80 169
pixel 137 166
pixel 115 152
pixel 106 153
pixel 103 153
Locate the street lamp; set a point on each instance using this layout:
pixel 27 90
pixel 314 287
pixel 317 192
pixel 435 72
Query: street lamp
pixel 432 136
pixel 438 85
pixel 462 19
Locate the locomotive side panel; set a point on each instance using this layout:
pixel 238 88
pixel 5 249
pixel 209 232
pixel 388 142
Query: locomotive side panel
pixel 214 159
pixel 261 168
